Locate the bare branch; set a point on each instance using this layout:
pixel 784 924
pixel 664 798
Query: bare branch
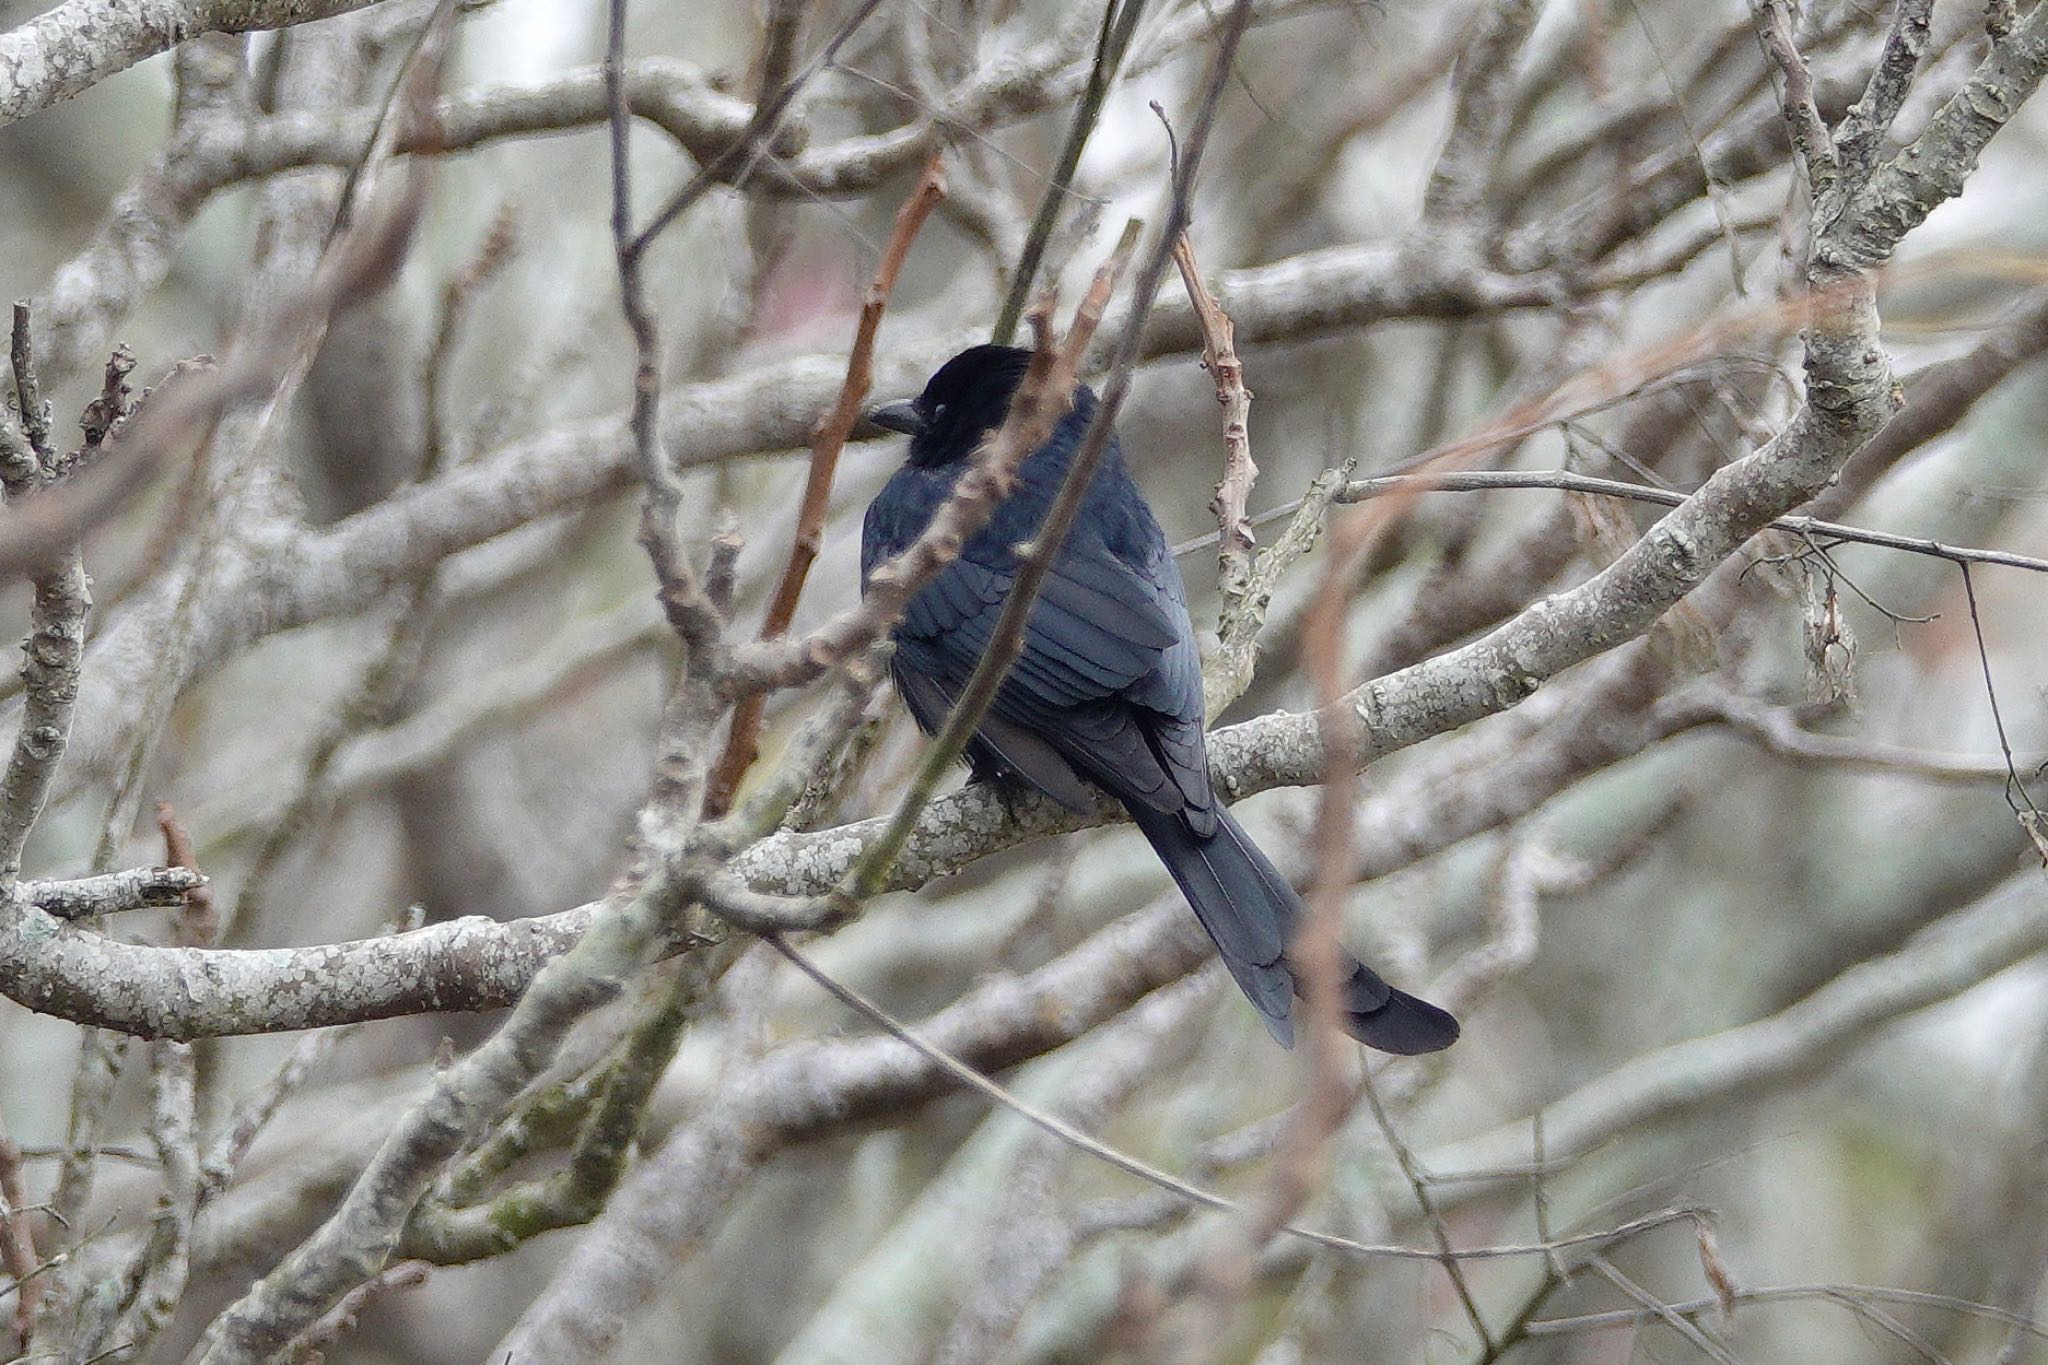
pixel 1757 1058
pixel 1863 129
pixel 1483 88
pixel 1908 186
pixel 17 1240
pixel 110 893
pixel 1477 481
pixel 1219 357
pixel 80 43
pixel 1811 140
pixel 742 743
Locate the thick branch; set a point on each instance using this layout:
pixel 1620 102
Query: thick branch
pixel 68 49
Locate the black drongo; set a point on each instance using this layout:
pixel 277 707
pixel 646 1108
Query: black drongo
pixel 1107 692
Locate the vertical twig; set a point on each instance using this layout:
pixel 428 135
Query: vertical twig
pixel 682 596
pixel 1233 492
pixel 1809 132
pixel 742 743
pixel 197 921
pixel 55 648
pixel 1119 21
pixel 1439 1231
pixel 28 390
pixel 17 1240
pixel 157 1276
pixel 2016 795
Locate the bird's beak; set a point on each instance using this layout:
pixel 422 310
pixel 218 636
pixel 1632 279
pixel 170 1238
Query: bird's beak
pixel 901 415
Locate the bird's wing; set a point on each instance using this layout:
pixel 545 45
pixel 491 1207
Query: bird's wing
pixel 1108 674
pixel 1000 747
pixel 1091 634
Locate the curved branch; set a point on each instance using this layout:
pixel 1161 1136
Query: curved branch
pixel 80 43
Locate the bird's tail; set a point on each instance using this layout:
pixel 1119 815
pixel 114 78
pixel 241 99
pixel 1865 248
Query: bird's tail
pixel 1252 913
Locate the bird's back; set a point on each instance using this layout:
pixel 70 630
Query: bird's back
pixel 1109 675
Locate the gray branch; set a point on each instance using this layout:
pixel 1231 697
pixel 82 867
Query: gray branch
pixel 110 893
pixel 1969 946
pixel 73 47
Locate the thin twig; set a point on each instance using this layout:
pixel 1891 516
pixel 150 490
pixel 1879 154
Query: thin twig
pixel 1164 1180
pixel 1809 132
pixel 500 243
pixel 681 592
pixel 1664 1313
pixel 742 743
pixel 1481 481
pixel 1233 491
pixel 1419 1187
pixel 1789 1293
pixel 17 1239
pixel 2015 789
pixel 1779 731
pixel 1119 21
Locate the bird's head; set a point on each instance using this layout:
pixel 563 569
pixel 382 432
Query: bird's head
pixel 964 401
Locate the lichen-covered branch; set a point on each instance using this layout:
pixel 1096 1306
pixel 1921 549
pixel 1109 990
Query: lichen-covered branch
pixel 74 46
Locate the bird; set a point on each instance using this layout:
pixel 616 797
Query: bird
pixel 1106 693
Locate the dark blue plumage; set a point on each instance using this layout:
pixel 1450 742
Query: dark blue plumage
pixel 1107 692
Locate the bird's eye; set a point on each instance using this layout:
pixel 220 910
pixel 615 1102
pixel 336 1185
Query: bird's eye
pixel 938 412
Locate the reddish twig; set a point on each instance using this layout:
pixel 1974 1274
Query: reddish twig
pixel 1219 357
pixel 17 1244
pixel 1222 1276
pixel 742 743
pixel 1040 401
pixel 198 921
